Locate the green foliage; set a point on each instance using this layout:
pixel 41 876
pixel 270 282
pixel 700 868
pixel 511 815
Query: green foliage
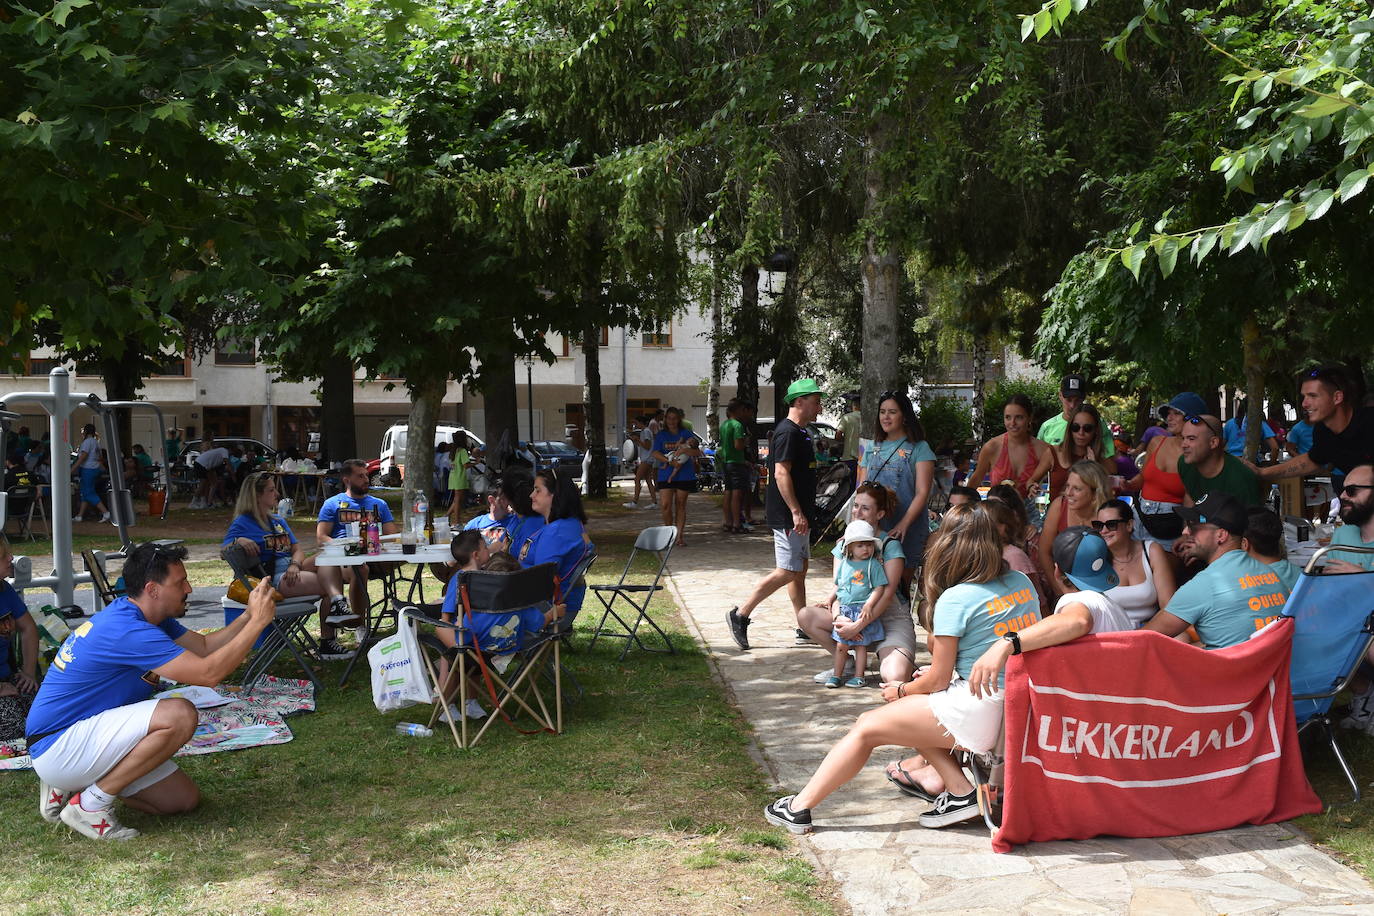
pixel 1043 393
pixel 946 420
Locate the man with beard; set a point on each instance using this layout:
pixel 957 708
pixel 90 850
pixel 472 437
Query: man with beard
pixel 1357 512
pixel 95 733
pixel 337 512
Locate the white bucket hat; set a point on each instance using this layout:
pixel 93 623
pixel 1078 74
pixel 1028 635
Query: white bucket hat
pixel 857 531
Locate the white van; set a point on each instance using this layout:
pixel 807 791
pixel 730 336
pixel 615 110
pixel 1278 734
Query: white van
pixel 392 468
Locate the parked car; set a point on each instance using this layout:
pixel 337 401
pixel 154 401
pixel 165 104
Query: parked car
pixel 245 444
pixel 565 460
pixel 390 466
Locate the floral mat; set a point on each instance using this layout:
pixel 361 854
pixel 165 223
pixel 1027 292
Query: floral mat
pixel 251 720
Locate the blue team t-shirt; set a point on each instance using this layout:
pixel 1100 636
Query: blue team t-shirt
pixel 1230 599
pixel 274 542
pixel 521 529
pixel 980 613
pixel 664 443
pixel 856 580
pixel 1300 438
pixel 494 633
pixel 343 502
pixel 1235 435
pixel 11 605
pixel 560 541
pixel 1350 536
pixel 1287 572
pixel 483 522
pixel 100 667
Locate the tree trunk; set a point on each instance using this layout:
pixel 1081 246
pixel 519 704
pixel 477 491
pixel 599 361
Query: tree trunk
pixel 1254 386
pixel 880 273
pixel 788 349
pixel 717 352
pixel 980 381
pixel 339 438
pixel 426 396
pixel 1143 412
pixel 123 379
pixel 594 411
pixel 747 336
pixel 497 384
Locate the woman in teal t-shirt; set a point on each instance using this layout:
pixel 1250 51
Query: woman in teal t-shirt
pixel 977 601
pixel 901 460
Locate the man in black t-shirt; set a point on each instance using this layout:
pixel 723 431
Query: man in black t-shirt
pixel 788 506
pixel 1342 431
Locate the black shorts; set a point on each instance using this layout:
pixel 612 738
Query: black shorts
pixel 737 475
pixel 688 485
pixel 201 470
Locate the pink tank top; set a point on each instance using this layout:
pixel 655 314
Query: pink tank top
pixel 1003 470
pixel 1161 486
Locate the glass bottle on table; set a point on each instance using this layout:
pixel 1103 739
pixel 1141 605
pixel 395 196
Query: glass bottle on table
pixel 374 535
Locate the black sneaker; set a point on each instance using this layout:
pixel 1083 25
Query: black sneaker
pixel 340 612
pixel 739 627
pixel 951 809
pixel 804 638
pixel 331 650
pixel 780 814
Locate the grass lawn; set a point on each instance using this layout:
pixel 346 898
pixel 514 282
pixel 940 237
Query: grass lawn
pixel 649 803
pixel 1347 828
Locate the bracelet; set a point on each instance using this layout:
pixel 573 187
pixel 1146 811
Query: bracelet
pixel 901 690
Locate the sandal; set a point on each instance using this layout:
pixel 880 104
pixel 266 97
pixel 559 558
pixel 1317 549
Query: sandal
pixel 907 783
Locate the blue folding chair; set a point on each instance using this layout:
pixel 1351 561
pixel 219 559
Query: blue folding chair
pixel 1333 617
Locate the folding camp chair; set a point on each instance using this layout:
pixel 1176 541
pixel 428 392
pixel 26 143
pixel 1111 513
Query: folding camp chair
pixel 94 561
pixel 287 633
pixel 19 506
pixel 516 688
pixel 1333 617
pixel 659 540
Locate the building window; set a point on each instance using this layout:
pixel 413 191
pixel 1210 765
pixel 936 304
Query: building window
pixel 662 336
pixel 569 338
pixel 43 365
pixel 174 365
pixel 637 407
pixel 233 352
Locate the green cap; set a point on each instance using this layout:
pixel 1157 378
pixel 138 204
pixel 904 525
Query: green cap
pixel 800 388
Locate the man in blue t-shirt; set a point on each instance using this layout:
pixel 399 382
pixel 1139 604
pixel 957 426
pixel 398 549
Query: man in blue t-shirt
pixel 336 514
pixel 94 731
pixel 1236 594
pixel 498 515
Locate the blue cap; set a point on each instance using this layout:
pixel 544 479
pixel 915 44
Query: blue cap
pixel 1082 555
pixel 1189 404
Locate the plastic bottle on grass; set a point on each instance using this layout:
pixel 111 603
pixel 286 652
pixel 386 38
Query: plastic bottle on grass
pixel 413 730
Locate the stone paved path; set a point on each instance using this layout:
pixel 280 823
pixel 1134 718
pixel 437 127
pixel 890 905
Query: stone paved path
pixel 868 838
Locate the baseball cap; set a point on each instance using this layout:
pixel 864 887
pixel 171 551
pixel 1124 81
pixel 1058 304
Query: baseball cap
pixel 1073 384
pixel 1082 555
pixel 1188 404
pixel 800 388
pixel 858 530
pixel 1220 509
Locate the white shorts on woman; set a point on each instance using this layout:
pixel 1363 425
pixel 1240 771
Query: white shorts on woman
pixel 973 723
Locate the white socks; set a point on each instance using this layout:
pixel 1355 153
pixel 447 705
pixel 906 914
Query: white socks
pixel 93 799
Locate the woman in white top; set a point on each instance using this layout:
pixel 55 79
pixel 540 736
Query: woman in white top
pixel 1147 579
pixel 90 463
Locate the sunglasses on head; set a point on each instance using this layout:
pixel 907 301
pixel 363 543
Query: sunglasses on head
pixel 1353 489
pixel 1110 524
pixel 1081 427
pixel 1203 421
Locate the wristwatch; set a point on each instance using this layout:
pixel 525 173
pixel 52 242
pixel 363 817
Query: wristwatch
pixel 1015 639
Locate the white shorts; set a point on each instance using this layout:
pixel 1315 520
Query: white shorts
pixel 791 551
pixel 89 749
pixel 973 723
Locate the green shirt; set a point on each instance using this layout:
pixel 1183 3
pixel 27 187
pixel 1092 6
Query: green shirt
pixel 849 428
pixel 1053 429
pixel 1230 599
pixel 1350 536
pixel 1235 478
pixel 730 431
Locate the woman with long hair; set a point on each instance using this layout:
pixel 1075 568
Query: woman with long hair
pixel 904 462
pixel 976 600
pixel 1085 488
pixel 1082 442
pixel 675 448
pixel 1016 457
pixel 562 539
pixel 897 650
pixel 1143 568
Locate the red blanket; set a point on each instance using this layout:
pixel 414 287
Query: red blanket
pixel 1135 734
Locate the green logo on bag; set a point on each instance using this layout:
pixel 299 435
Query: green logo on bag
pixel 399 680
pixel 388 647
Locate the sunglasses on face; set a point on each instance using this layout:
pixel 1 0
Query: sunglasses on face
pixel 1081 427
pixel 1353 489
pixel 1110 524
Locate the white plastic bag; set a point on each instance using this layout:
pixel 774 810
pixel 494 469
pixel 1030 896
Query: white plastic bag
pixel 397 678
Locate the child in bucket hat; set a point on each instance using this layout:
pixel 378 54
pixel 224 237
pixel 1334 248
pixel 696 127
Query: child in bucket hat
pixel 858 575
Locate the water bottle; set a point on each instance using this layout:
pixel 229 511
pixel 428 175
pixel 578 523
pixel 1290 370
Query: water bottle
pixel 410 729
pixel 419 518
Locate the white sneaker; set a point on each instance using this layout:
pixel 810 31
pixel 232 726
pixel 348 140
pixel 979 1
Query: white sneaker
pixel 105 517
pixel 474 710
pixel 360 634
pixel 822 676
pixel 630 505
pixel 98 825
pixel 77 518
pixel 51 801
pixel 1361 712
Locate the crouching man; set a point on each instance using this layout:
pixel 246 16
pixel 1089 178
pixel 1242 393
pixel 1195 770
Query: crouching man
pixel 94 733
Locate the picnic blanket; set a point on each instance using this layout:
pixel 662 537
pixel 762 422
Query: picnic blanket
pixel 251 720
pixel 1137 735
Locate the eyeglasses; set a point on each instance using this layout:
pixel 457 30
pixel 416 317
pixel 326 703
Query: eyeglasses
pixel 1353 489
pixel 1204 421
pixel 1081 427
pixel 1111 524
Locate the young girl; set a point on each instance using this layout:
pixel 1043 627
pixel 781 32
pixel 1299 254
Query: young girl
pixel 859 576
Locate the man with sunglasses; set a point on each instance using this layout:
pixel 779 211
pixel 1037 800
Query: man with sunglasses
pixel 1342 431
pixel 1072 390
pixel 1236 594
pixel 1357 512
pixel 1205 467
pixel 95 732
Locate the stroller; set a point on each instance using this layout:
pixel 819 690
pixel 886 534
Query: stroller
pixel 833 489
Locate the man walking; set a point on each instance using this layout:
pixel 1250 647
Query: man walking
pixel 789 505
pixel 94 733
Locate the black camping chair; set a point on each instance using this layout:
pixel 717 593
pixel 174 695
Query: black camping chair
pixel 287 633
